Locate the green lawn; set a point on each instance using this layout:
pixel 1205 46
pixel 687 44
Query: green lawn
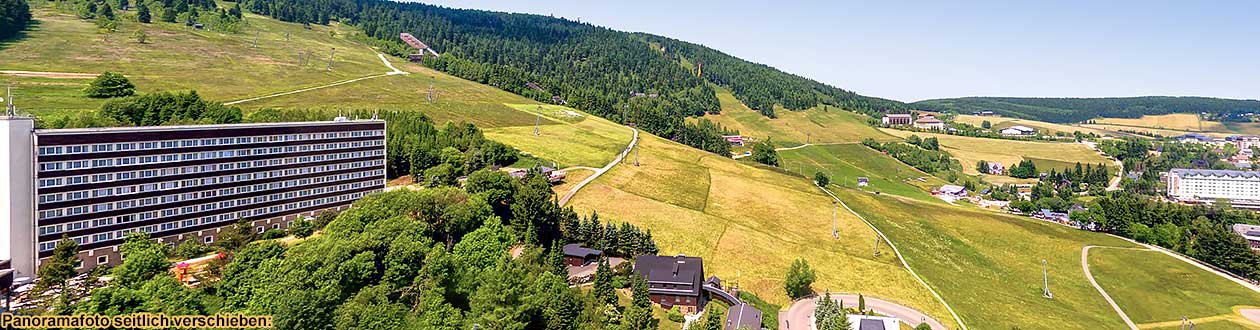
pixel 844 163
pixel 220 66
pixel 1152 287
pixel 988 266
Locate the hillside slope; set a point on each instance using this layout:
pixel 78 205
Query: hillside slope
pixel 1067 110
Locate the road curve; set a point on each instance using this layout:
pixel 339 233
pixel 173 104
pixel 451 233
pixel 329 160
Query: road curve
pixel 799 315
pixel 897 252
pixel 569 195
pixel 1090 276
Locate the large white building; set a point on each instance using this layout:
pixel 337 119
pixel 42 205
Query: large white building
pixel 97 185
pixel 1208 185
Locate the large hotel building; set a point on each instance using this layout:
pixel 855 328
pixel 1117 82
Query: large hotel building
pixel 1242 188
pixel 97 185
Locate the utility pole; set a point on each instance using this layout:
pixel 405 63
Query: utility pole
pixel 877 240
pixel 256 33
pixel 330 58
pixel 834 232
pixel 1045 273
pixel 537 120
pixel 636 155
pixel 431 80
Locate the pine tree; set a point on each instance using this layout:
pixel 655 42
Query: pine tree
pixel 604 293
pixel 641 296
pixel 556 259
pixel 124 4
pixel 143 15
pixel 59 268
pixel 861 303
pixel 169 15
pixel 235 11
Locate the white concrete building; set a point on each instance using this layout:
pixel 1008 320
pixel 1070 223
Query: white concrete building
pixel 1017 131
pixel 1208 185
pixel 97 185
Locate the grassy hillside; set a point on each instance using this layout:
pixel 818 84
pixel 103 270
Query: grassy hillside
pixel 220 66
pixel 749 222
pixel 794 127
pixel 1153 288
pixel 969 150
pixel 844 163
pixel 988 266
pixel 1066 110
pixel 1004 122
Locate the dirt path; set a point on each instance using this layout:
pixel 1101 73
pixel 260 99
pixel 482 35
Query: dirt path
pixel 800 314
pixel 916 276
pixel 565 200
pixel 43 74
pixel 1090 276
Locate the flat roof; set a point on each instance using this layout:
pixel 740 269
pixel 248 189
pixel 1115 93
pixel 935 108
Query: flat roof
pixel 1215 173
pixel 741 316
pixel 55 131
pixel 577 250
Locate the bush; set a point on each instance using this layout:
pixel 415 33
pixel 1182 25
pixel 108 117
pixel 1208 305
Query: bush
pixel 675 315
pixel 274 234
pixel 324 219
pixel 190 248
pixel 109 85
pixel 302 228
pixel 924 325
pixel 621 282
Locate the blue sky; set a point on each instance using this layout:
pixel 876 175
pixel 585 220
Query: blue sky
pixel 914 50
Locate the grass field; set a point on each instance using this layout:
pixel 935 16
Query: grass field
pixel 988 266
pixel 219 66
pixel 1151 288
pixel 844 163
pixel 1173 121
pixel 748 222
pixel 1004 122
pixel 794 127
pixel 969 150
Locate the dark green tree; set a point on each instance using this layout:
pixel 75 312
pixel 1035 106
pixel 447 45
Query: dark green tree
pixel 14 14
pixel 603 288
pixel 821 179
pixel 798 280
pixel 764 153
pixel 143 15
pixel 110 84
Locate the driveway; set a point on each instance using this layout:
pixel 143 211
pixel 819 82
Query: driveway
pixel 799 314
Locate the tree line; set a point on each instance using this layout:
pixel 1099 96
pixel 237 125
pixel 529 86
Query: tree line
pixel 1071 110
pixel 14 14
pixel 931 161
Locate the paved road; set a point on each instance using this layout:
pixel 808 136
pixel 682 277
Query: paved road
pixel 1090 276
pixel 565 200
pixel 801 313
pixel 1251 314
pixel 897 252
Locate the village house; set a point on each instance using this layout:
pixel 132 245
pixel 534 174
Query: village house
pixel 868 322
pixel 1017 131
pixel 863 181
pixel 578 255
pixel 1251 233
pixel 929 122
pixel 734 140
pixel 996 168
pixel 952 191
pixel 897 119
pixel 742 316
pixel 673 281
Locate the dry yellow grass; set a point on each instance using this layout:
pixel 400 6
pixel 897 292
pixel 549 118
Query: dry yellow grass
pixel 1173 121
pixel 969 150
pixel 748 222
pixel 1004 122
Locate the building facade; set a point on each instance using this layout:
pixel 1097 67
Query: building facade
pixel 96 186
pixel 1191 185
pixel 897 119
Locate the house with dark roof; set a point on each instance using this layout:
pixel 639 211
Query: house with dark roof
pixel 1251 233
pixel 742 316
pixel 867 322
pixel 578 255
pixel 673 281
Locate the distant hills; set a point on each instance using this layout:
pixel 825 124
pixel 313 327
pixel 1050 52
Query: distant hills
pixel 1068 110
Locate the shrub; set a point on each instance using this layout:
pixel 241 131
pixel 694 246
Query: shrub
pixel 274 234
pixel 190 248
pixel 110 84
pixel 675 315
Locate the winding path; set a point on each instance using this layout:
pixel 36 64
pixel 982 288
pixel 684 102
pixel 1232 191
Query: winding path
pixel 392 71
pixel 916 276
pixel 1090 276
pixel 802 311
pixel 565 200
